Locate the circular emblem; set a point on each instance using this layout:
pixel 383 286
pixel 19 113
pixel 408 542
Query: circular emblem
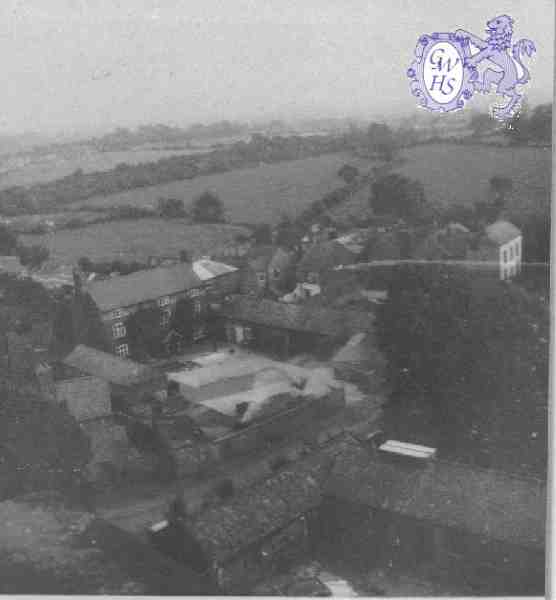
pixel 439 76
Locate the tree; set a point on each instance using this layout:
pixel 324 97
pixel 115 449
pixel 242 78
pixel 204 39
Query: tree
pixel 381 141
pixel 8 241
pixel 208 208
pixel 182 319
pixel 499 188
pixel 144 332
pixel 171 208
pixel 540 123
pixel 85 264
pixel 397 195
pixel 33 256
pixel 348 173
pixel 463 346
pixel 262 234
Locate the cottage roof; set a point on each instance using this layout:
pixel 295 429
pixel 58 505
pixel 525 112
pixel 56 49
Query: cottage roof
pixel 326 255
pixel 116 370
pixel 480 501
pixel 142 286
pixel 222 531
pixel 206 269
pixel 296 317
pixel 501 232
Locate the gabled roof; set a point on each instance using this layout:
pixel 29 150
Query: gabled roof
pixel 480 501
pixel 142 286
pixel 111 368
pixel 502 232
pixel 206 269
pixel 297 317
pixel 84 397
pixel 252 515
pixel 326 255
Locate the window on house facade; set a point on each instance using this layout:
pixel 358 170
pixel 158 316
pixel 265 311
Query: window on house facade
pixel 122 350
pixel 194 293
pixel 276 273
pixel 117 314
pixel 164 301
pixel 196 308
pixel 118 330
pixel 517 249
pixel 261 277
pixel 165 316
pixel 511 252
pixel 505 256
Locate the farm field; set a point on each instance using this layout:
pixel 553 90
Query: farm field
pixel 253 195
pixel 133 240
pixel 28 169
pixel 460 174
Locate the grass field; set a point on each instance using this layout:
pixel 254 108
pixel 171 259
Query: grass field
pixel 133 240
pixel 460 174
pixel 254 195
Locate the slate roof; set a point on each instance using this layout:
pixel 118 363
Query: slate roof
pixel 142 286
pixel 481 501
pixel 111 368
pixel 326 255
pixel 206 269
pixel 296 317
pixel 501 232
pixel 84 397
pixel 223 531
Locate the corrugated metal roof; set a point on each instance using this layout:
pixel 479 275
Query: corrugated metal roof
pixel 206 269
pixel 142 286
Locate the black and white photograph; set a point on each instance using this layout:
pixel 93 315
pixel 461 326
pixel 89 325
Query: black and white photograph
pixel 275 312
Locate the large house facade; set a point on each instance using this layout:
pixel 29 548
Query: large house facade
pixel 103 307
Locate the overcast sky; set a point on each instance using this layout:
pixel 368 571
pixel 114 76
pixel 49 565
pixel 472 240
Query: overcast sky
pixel 95 64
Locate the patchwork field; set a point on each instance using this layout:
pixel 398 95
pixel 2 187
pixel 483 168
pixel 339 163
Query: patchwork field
pixel 254 195
pixel 460 174
pixel 134 240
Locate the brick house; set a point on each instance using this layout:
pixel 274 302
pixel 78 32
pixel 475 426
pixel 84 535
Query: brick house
pixel 102 306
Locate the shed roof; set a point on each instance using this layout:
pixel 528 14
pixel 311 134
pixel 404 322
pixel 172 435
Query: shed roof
pixel 297 317
pixel 142 286
pixel 116 370
pixel 480 501
pixel 501 232
pixel 206 269
pixel 222 531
